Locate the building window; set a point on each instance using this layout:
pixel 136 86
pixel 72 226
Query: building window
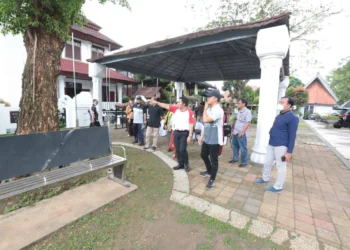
pixel 105 95
pixel 69 90
pixel 96 52
pixel 77 50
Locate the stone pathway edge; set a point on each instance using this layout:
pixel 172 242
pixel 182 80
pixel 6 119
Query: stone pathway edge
pixel 181 194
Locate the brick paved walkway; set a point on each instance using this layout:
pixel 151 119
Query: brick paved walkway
pixel 316 196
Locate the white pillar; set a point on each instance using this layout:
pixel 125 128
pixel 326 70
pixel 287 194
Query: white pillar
pixel 97 94
pixel 120 92
pixel 116 93
pixel 271 47
pixel 196 89
pixel 97 72
pixel 60 85
pixel 179 87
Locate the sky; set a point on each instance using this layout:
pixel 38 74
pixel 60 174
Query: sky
pixel 154 20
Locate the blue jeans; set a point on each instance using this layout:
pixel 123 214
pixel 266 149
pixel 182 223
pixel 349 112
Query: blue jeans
pixel 138 132
pixel 240 143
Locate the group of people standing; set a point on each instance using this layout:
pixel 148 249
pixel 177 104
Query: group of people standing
pixel 180 121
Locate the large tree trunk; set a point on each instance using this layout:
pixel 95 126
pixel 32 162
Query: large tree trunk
pixel 38 106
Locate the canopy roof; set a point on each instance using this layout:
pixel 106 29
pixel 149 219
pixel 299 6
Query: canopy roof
pixel 226 53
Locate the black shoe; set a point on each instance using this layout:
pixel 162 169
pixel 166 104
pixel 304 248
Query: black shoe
pixel 135 142
pixel 232 161
pixel 210 184
pixel 204 174
pixel 242 165
pixel 169 150
pixel 154 148
pixel 141 144
pixel 178 167
pixel 187 168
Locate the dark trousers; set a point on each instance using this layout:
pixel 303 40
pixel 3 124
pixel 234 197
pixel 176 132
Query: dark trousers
pixel 130 127
pixel 212 165
pixel 95 124
pixel 180 139
pixel 138 132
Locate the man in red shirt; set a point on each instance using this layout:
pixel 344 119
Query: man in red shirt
pixel 183 121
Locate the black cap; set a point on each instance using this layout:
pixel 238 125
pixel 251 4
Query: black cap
pixel 138 98
pixel 213 92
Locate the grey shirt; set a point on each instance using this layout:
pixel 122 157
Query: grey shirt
pixel 243 117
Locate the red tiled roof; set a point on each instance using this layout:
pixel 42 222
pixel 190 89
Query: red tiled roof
pixel 94 36
pixel 149 92
pixel 83 69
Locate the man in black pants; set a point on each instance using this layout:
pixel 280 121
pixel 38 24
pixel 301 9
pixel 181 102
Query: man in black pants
pixel 183 121
pixel 212 138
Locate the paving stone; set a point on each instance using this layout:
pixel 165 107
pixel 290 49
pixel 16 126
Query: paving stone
pixel 251 209
pixel 260 229
pixel 213 193
pixel 289 222
pixel 345 240
pixel 226 193
pixel 236 180
pixel 194 202
pixel 303 210
pixel 199 190
pixel 250 177
pixel 327 235
pixel 280 236
pixel 343 230
pixel 218 212
pixel 254 202
pixel 242 192
pixel 304 243
pixel 268 206
pixel 305 227
pixel 326 247
pixel 237 220
pixel 324 224
pixel 305 218
pixel 286 212
pixel 230 189
pixel 222 199
pixel 341 222
pixel 268 214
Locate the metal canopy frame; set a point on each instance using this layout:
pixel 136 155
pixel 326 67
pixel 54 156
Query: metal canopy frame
pixel 226 53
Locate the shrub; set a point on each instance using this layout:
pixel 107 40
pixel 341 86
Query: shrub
pixel 306 115
pixel 125 99
pixel 330 117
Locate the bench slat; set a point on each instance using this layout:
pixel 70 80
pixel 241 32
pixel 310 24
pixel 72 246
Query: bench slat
pixel 75 169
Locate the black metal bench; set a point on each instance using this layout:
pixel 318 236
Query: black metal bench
pixel 39 155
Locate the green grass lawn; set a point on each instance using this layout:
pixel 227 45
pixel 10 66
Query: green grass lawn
pixel 147 219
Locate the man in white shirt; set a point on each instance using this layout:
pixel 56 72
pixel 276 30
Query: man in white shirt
pixel 183 122
pixel 212 138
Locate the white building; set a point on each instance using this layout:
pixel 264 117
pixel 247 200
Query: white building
pixel 90 43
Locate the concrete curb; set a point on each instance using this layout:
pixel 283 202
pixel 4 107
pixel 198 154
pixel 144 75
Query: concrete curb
pixel 333 149
pixel 181 194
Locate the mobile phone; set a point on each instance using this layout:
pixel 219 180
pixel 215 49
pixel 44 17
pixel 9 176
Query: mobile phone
pixel 283 158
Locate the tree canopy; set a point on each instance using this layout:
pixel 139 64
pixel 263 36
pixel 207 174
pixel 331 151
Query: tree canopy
pixel 295 82
pixel 7 104
pixel 306 18
pixel 53 16
pixel 340 82
pixel 299 94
